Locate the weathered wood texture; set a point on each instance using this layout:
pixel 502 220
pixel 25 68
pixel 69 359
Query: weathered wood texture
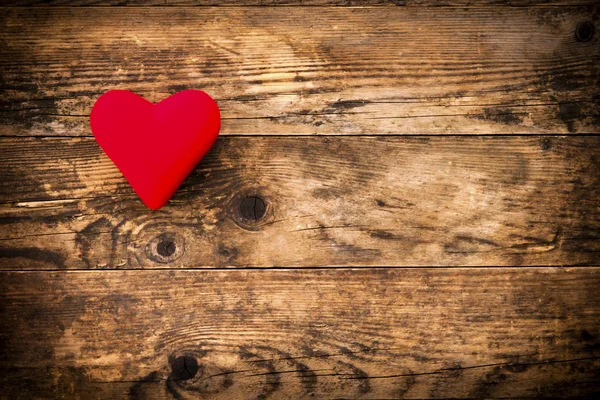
pixel 306 70
pixel 420 3
pixel 381 333
pixel 328 201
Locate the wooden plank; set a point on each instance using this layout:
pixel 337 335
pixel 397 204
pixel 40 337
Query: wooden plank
pixel 301 70
pixel 379 333
pixel 410 3
pixel 318 201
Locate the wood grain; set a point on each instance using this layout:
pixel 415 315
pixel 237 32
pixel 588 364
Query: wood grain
pixel 328 201
pixel 419 3
pixel 306 70
pixel 380 333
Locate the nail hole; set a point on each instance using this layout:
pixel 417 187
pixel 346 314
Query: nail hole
pixel 584 31
pixel 166 247
pixel 184 368
pixel 253 208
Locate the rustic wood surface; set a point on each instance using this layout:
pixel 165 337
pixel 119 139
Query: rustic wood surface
pixel 455 137
pixel 306 70
pixel 419 3
pixel 346 201
pixel 380 333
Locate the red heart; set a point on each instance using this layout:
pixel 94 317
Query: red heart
pixel 155 145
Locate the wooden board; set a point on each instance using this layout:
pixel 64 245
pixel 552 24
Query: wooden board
pixel 322 201
pixel 306 70
pixel 380 333
pixel 420 3
pixel 263 278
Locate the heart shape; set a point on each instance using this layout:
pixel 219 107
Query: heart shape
pixel 155 146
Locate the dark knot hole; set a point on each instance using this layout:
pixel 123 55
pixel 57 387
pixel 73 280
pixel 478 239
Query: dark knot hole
pixel 253 208
pixel 166 247
pixel 584 31
pixel 184 368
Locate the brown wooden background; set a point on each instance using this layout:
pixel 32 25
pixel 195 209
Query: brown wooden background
pixel 404 202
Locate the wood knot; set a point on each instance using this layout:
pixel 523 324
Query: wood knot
pixel 165 248
pixel 253 208
pixel 183 368
pixel 198 373
pixel 250 211
pixel 584 31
